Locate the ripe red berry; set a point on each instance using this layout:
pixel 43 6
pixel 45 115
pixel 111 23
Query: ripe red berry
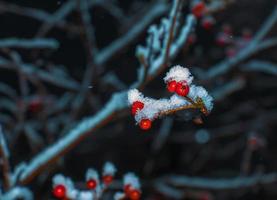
pixel 59 191
pixel 137 105
pixel 231 52
pixel 107 179
pixel 145 124
pixel 127 189
pixel 222 39
pixel 171 86
pixel 198 9
pixel 91 184
pixel 35 105
pixel 207 23
pixel 134 194
pixel 247 34
pixel 227 29
pixel 191 39
pixel 182 88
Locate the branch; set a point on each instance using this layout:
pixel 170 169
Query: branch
pixel 39 43
pixel 253 47
pixel 219 183
pixel 113 107
pixel 260 65
pixel 4 155
pixel 33 72
pixel 108 52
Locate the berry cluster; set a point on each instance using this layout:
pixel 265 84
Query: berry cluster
pixel 232 44
pixel 187 96
pixel 63 187
pixel 131 188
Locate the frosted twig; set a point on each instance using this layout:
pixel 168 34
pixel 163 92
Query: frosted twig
pixel 4 158
pixel 109 51
pixel 18 193
pixel 261 66
pixel 36 14
pixel 220 183
pixel 33 72
pixel 38 43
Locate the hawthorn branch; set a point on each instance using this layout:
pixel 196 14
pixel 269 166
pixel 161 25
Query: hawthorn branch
pixel 111 110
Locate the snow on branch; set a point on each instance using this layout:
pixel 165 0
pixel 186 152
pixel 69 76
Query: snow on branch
pixel 220 183
pixel 37 43
pixel 17 193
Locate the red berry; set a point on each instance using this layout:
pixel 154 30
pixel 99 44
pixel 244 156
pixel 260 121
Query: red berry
pixel 198 9
pixel 127 189
pixel 134 194
pixel 35 105
pixel 182 88
pixel 59 191
pixel 171 86
pixel 107 179
pixel 137 105
pixel 231 52
pixel 247 34
pixel 227 29
pixel 192 39
pixel 145 124
pixel 222 39
pixel 91 184
pixel 207 23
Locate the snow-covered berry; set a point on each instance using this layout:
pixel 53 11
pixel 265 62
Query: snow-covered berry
pixel 171 86
pixel 91 184
pixel 59 191
pixel 182 88
pixel 137 105
pixel 145 124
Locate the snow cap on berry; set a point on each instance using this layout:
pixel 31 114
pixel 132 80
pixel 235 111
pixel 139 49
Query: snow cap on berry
pixel 132 180
pixel 92 174
pixel 200 92
pixel 134 95
pixel 178 73
pixel 59 179
pixel 109 169
pixel 119 196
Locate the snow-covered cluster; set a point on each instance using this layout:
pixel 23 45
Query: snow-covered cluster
pixel 179 81
pixel 64 188
pixel 131 187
